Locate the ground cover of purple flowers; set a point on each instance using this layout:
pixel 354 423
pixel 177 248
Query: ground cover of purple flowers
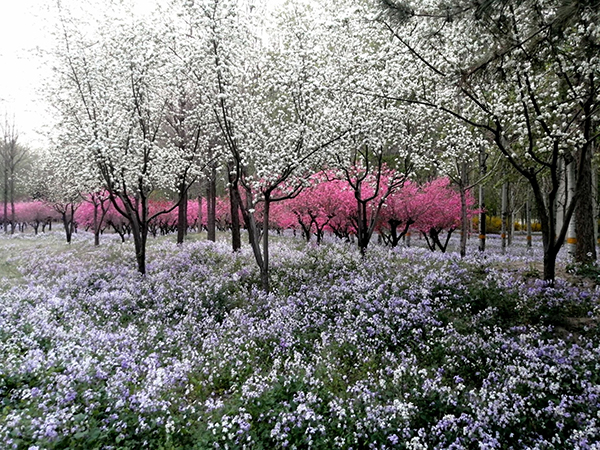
pixel 402 349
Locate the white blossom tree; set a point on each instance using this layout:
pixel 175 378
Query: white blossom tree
pixel 113 94
pixel 526 76
pixel 274 117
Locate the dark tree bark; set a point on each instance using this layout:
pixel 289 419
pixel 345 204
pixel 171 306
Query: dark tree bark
pixel 140 238
pixel 234 206
pixel 585 248
pixel 464 218
pixel 13 222
pixel 96 226
pixel 373 166
pixel 182 213
pixel 5 199
pixel 396 237
pixel 211 205
pixel 264 270
pixel 99 201
pixel 433 239
pixel 482 212
pixel 504 231
pixel 67 213
pixel 305 228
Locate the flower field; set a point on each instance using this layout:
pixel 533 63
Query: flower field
pixel 402 349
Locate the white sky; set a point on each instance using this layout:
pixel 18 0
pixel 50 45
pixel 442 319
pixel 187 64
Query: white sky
pixel 21 34
pixel 24 35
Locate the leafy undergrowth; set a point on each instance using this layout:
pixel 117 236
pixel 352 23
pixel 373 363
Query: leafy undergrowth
pixel 402 349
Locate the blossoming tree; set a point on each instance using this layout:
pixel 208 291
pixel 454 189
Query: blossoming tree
pixel 268 101
pixel 524 73
pixel 113 94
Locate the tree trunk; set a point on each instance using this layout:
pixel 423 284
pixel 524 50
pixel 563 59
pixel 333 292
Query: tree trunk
pixel 305 230
pixel 264 270
pixel 96 226
pixel 482 213
pixel 254 235
pixel 430 243
pixel 182 213
pixel 585 249
pixel 200 218
pixel 320 231
pixel 363 230
pixel 140 237
pixel 504 215
pixel 482 219
pixel 120 231
pixel 73 223
pixel 136 211
pixel 253 232
pixel 548 219
pixel 528 220
pixel 211 205
pixel 395 237
pixel 464 220
pixel 13 223
pixel 595 200
pixel 464 223
pixel 234 207
pixel 572 232
pixel 550 264
pixel 361 223
pixel 66 219
pixel 511 216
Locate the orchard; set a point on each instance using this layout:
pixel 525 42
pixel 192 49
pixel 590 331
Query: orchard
pixel 323 207
pixel 307 224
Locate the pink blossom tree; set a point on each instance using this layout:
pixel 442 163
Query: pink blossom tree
pixel 341 206
pixel 92 211
pixel 441 212
pixel 371 183
pixel 117 222
pixel 401 210
pixel 315 207
pixel 35 214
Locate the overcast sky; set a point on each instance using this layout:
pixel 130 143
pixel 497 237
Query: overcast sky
pixel 25 27
pixel 21 34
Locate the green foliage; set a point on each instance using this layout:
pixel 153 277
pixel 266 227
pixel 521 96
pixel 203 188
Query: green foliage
pixel 590 270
